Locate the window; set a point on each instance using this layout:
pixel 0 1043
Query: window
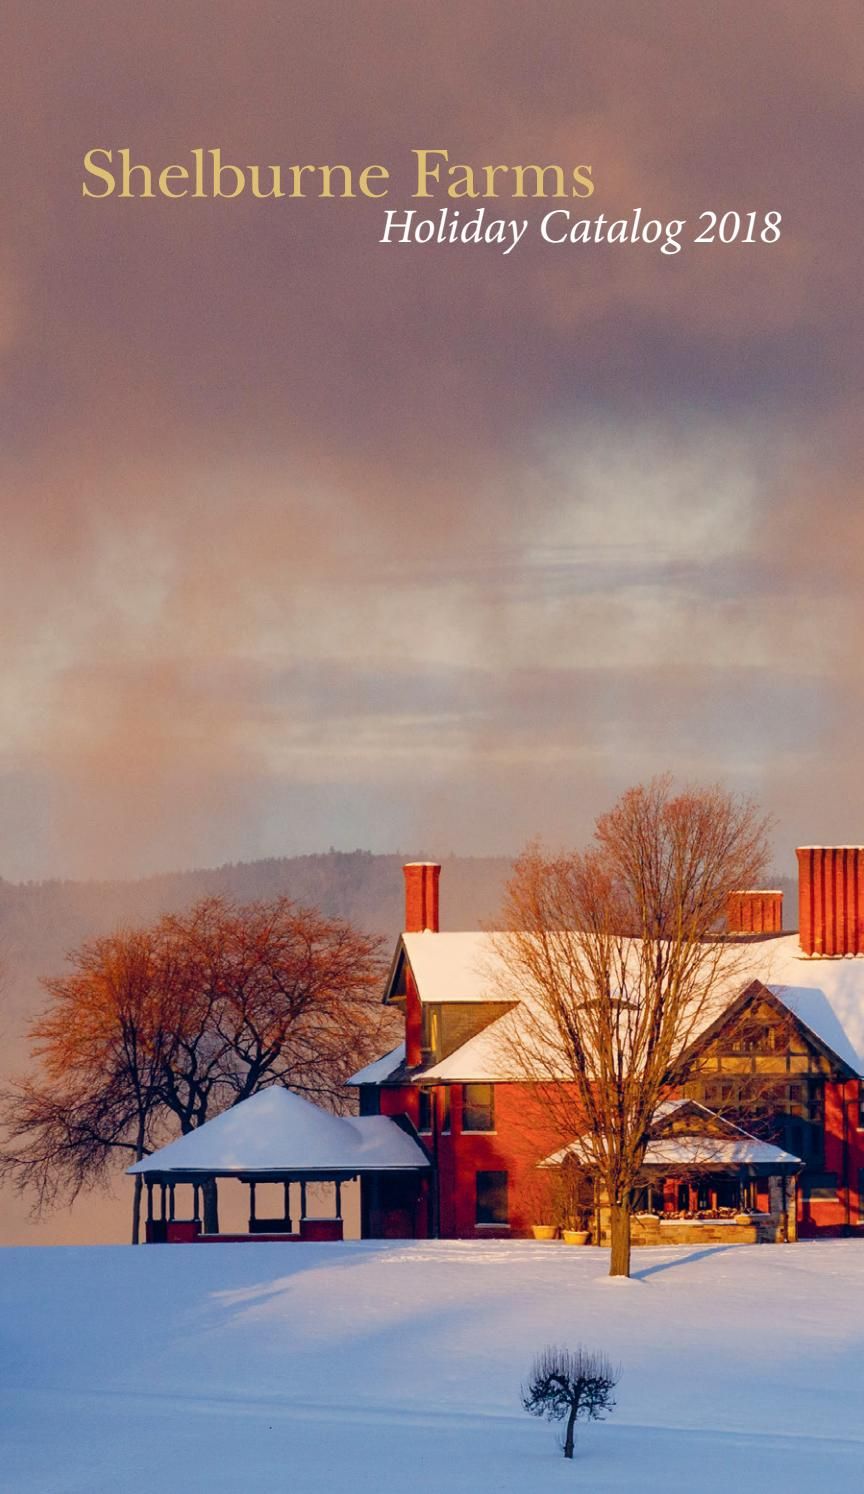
pixel 424 1110
pixel 478 1107
pixel 757 1040
pixel 431 1037
pixel 492 1198
pixel 861 1195
pixel 861 1107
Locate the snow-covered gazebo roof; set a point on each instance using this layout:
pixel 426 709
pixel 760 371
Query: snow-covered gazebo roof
pixel 277 1132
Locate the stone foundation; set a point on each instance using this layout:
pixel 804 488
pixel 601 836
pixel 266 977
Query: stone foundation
pixel 647 1229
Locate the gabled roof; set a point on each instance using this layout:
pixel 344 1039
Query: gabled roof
pixel 822 1020
pixel 456 967
pixel 827 996
pixel 725 1145
pixel 277 1131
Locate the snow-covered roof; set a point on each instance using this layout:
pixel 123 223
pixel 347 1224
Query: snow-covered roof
pixel 490 1057
pixel 277 1131
pixel 813 1008
pixel 826 995
pixel 727 1146
pixel 704 1151
pixel 457 967
pixel 381 1069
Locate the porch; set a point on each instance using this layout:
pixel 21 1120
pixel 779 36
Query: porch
pixel 704 1180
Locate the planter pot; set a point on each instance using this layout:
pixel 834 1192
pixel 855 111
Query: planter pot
pixel 575 1236
pixel 544 1231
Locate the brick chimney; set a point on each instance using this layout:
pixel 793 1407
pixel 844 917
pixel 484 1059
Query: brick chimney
pixel 421 896
pixel 754 911
pixel 831 899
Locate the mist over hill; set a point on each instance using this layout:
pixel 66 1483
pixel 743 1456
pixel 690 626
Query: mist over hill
pixel 41 922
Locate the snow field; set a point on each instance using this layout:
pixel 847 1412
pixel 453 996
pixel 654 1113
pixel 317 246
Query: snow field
pixel 371 1366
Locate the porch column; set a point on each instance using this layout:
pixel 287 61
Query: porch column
pixel 149 1202
pixel 286 1188
pixel 171 1209
pixel 338 1200
pixel 251 1207
pixel 211 1207
pixel 302 1200
pixel 791 1185
pixel 195 1200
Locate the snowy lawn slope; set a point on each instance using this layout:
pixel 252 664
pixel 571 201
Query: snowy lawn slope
pixel 386 1366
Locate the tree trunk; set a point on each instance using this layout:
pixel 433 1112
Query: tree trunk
pixel 136 1209
pixel 139 1183
pixel 568 1436
pixel 620 1232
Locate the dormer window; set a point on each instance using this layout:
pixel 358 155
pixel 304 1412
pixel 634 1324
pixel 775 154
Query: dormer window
pixel 431 1034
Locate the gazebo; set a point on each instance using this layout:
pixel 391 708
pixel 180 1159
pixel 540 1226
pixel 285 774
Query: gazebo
pixel 273 1137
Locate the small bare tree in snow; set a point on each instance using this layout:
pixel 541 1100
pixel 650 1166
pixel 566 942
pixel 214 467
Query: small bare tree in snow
pixel 570 1383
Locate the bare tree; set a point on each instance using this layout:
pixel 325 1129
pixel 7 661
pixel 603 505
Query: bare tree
pixel 267 993
pixel 155 1030
pixel 619 961
pixel 570 1383
pixel 100 1049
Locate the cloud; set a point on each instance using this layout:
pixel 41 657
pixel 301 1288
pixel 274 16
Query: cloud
pixel 286 511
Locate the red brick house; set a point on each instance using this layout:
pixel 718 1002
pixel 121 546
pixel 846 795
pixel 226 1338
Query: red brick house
pixel 797 1023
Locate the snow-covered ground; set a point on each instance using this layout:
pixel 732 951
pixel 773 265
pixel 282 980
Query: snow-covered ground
pixel 388 1366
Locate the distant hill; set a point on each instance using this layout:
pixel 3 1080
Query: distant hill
pixel 40 922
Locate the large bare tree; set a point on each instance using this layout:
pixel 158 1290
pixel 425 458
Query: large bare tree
pixel 618 956
pixel 153 1031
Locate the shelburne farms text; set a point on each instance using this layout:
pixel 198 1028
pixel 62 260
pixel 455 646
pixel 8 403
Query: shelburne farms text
pixel 115 173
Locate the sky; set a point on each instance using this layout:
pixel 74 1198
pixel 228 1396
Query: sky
pixel 311 541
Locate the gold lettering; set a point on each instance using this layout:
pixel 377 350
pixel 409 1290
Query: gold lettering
pixel 381 175
pixel 327 177
pixel 198 153
pixel 539 181
pixel 219 170
pixel 462 183
pixel 297 179
pixel 128 168
pixel 490 173
pixel 427 173
pixel 98 171
pixel 255 181
pixel 172 173
pixel 582 178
